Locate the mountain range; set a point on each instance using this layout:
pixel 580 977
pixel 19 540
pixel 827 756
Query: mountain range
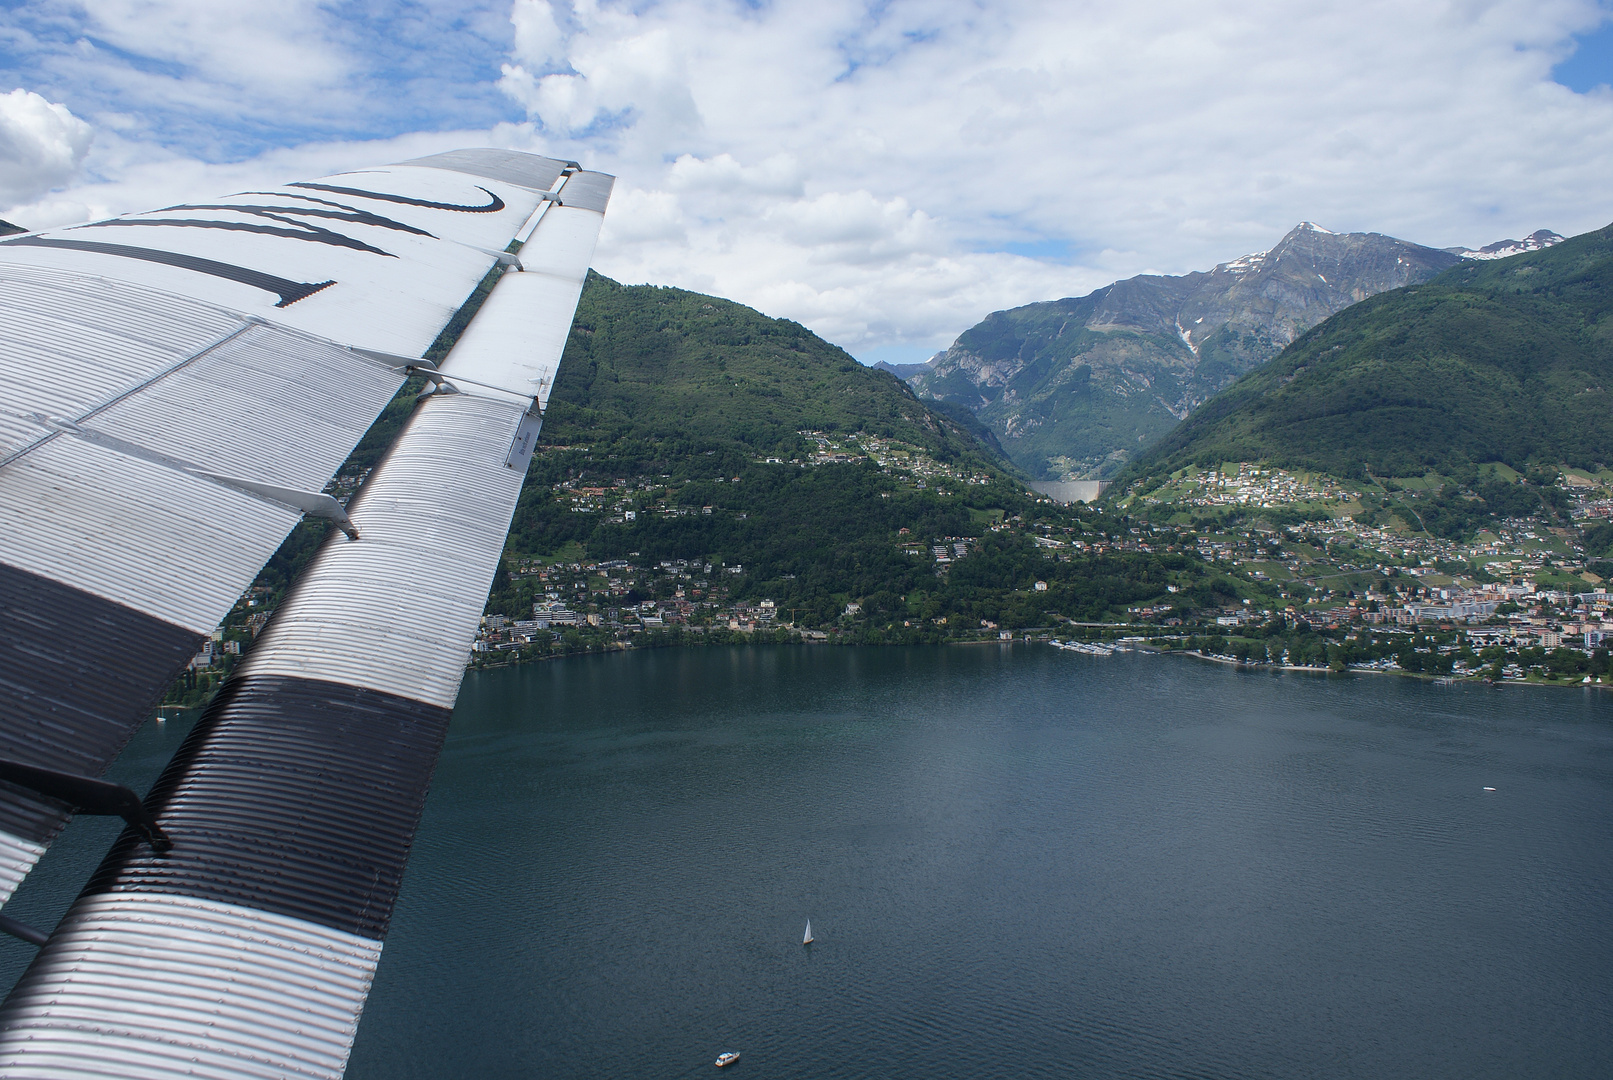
pixel 1507 361
pixel 1075 388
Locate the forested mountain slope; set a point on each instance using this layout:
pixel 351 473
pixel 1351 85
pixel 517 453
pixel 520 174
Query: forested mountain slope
pixel 674 432
pixel 652 373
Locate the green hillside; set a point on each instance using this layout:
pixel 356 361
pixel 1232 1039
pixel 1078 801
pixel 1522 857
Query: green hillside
pixel 656 373
pixel 697 452
pixel 688 412
pixel 1508 361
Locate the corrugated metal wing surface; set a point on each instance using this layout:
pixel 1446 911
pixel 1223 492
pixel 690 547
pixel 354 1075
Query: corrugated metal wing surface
pixel 160 986
pixel 397 611
pixel 166 377
pixel 295 799
pixel 147 532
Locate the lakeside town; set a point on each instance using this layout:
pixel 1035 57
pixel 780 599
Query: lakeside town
pixel 1500 631
pixel 1348 586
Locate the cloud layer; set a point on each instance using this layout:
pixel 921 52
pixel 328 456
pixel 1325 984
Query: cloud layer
pixel 42 146
pixel 870 168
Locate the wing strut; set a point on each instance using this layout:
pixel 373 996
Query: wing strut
pixel 88 796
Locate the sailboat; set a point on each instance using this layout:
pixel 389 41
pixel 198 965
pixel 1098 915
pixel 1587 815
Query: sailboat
pixel 808 939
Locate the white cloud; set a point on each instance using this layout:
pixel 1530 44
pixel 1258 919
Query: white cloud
pixel 864 167
pixel 625 71
pixel 778 175
pixel 853 165
pixel 266 48
pixel 538 40
pixel 41 146
pixel 639 217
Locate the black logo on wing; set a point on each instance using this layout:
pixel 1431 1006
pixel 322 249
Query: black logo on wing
pixel 492 207
pixel 339 211
pixel 297 231
pixel 288 291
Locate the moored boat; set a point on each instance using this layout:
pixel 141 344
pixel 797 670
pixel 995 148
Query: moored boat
pixel 727 1059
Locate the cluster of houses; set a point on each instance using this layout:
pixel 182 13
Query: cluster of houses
pixel 1543 618
pixel 605 595
pixel 891 455
pixel 1251 486
pixel 550 619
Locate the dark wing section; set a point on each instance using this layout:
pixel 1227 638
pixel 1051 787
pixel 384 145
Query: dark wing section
pixel 247 949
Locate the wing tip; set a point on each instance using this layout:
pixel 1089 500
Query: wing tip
pixel 517 167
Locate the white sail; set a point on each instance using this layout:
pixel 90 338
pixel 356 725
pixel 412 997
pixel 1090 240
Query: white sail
pixel 808 939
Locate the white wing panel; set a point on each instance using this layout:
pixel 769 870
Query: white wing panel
pixel 397 612
pixel 142 985
pixel 301 400
pixel 151 538
pixel 517 347
pixel 380 258
pixel 510 166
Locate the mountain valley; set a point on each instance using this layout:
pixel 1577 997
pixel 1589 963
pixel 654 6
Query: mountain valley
pixel 1076 388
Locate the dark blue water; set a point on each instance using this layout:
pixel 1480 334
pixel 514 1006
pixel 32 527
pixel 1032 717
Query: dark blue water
pixel 1017 862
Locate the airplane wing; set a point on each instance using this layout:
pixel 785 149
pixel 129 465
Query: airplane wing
pixel 188 380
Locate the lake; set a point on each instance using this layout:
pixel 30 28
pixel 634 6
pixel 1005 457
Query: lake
pixel 1017 862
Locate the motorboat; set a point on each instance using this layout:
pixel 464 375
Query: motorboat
pixel 727 1059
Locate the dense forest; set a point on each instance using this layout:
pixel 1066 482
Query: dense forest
pixel 658 377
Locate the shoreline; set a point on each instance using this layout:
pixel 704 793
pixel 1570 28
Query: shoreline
pixel 1449 680
pixel 1230 661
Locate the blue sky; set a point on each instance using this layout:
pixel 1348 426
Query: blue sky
pixel 885 172
pixel 1590 66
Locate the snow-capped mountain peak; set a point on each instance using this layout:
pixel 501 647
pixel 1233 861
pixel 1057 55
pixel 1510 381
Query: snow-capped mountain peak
pixel 1501 249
